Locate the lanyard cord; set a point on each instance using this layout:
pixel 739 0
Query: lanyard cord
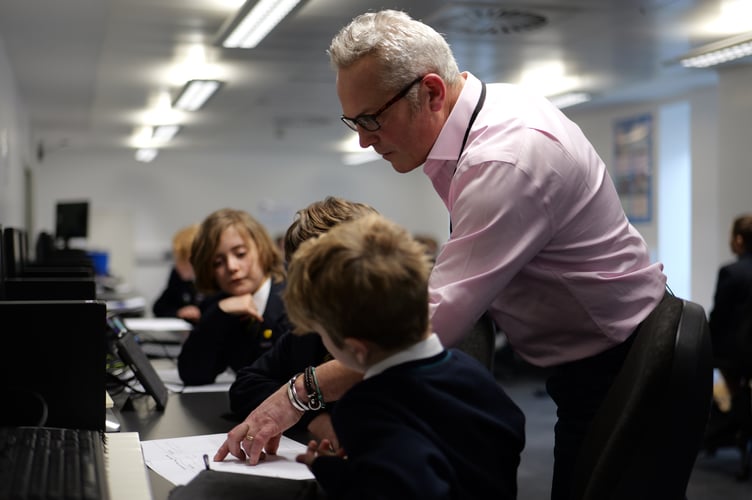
pixel 478 106
pixel 481 100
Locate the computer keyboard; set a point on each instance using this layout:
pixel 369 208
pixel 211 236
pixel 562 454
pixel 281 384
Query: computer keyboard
pixel 42 463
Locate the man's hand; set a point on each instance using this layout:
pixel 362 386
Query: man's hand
pixel 261 431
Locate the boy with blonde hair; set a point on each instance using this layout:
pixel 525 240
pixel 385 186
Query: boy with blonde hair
pixel 363 288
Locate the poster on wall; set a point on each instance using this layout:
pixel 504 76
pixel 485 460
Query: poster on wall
pixel 633 166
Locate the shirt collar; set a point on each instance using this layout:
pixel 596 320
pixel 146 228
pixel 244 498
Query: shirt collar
pixel 449 141
pixel 261 297
pixel 431 346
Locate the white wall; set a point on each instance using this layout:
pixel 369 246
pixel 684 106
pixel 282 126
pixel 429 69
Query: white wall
pixel 14 141
pixel 158 198
pixel 675 195
pixel 734 161
pixel 706 197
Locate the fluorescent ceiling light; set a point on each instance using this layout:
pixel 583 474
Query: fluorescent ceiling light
pixel 718 52
pixel 164 133
pixel 195 93
pixel 251 24
pixel 146 155
pixel 562 101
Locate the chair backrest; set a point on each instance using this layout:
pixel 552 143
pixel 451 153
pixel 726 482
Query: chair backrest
pixel 645 438
pixel 480 343
pixel 45 247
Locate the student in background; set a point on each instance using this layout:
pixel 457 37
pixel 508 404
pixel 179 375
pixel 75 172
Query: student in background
pixel 293 353
pixel 730 322
pixel 180 298
pixel 239 268
pixel 731 305
pixel 363 288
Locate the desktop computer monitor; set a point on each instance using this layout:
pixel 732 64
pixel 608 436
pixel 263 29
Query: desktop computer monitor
pixel 71 220
pixel 56 350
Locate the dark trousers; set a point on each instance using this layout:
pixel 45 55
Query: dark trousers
pixel 578 388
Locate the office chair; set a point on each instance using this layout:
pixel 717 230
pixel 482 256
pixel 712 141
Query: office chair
pixel 480 343
pixel 645 438
pixel 19 265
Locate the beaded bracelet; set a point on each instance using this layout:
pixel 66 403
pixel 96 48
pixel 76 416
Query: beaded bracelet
pixel 292 395
pixel 316 385
pixel 315 398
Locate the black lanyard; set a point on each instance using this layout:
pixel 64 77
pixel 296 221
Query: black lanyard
pixel 478 106
pixel 481 100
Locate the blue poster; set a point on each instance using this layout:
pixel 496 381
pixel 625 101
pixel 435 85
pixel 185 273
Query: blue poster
pixel 633 166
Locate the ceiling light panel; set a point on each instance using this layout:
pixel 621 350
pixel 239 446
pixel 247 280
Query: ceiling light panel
pixel 195 93
pixel 164 133
pixel 252 24
pixel 145 155
pixel 719 52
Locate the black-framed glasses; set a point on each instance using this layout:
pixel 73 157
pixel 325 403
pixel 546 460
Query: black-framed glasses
pixel 369 122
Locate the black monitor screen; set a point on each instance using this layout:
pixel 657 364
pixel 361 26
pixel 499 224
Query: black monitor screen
pixel 72 219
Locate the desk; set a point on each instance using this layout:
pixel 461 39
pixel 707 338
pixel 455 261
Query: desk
pixel 134 305
pixel 122 300
pixel 185 415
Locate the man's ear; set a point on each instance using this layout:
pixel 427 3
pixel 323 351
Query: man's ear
pixel 359 349
pixel 436 91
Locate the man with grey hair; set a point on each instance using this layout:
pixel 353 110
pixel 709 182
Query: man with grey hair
pixel 539 238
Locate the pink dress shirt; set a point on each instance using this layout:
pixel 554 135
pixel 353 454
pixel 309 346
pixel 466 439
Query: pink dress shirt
pixel 539 236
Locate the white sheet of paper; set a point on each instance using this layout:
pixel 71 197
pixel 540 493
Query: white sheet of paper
pixel 180 459
pixel 157 324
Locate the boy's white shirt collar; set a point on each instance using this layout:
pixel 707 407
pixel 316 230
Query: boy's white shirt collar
pixel 431 346
pixel 261 297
